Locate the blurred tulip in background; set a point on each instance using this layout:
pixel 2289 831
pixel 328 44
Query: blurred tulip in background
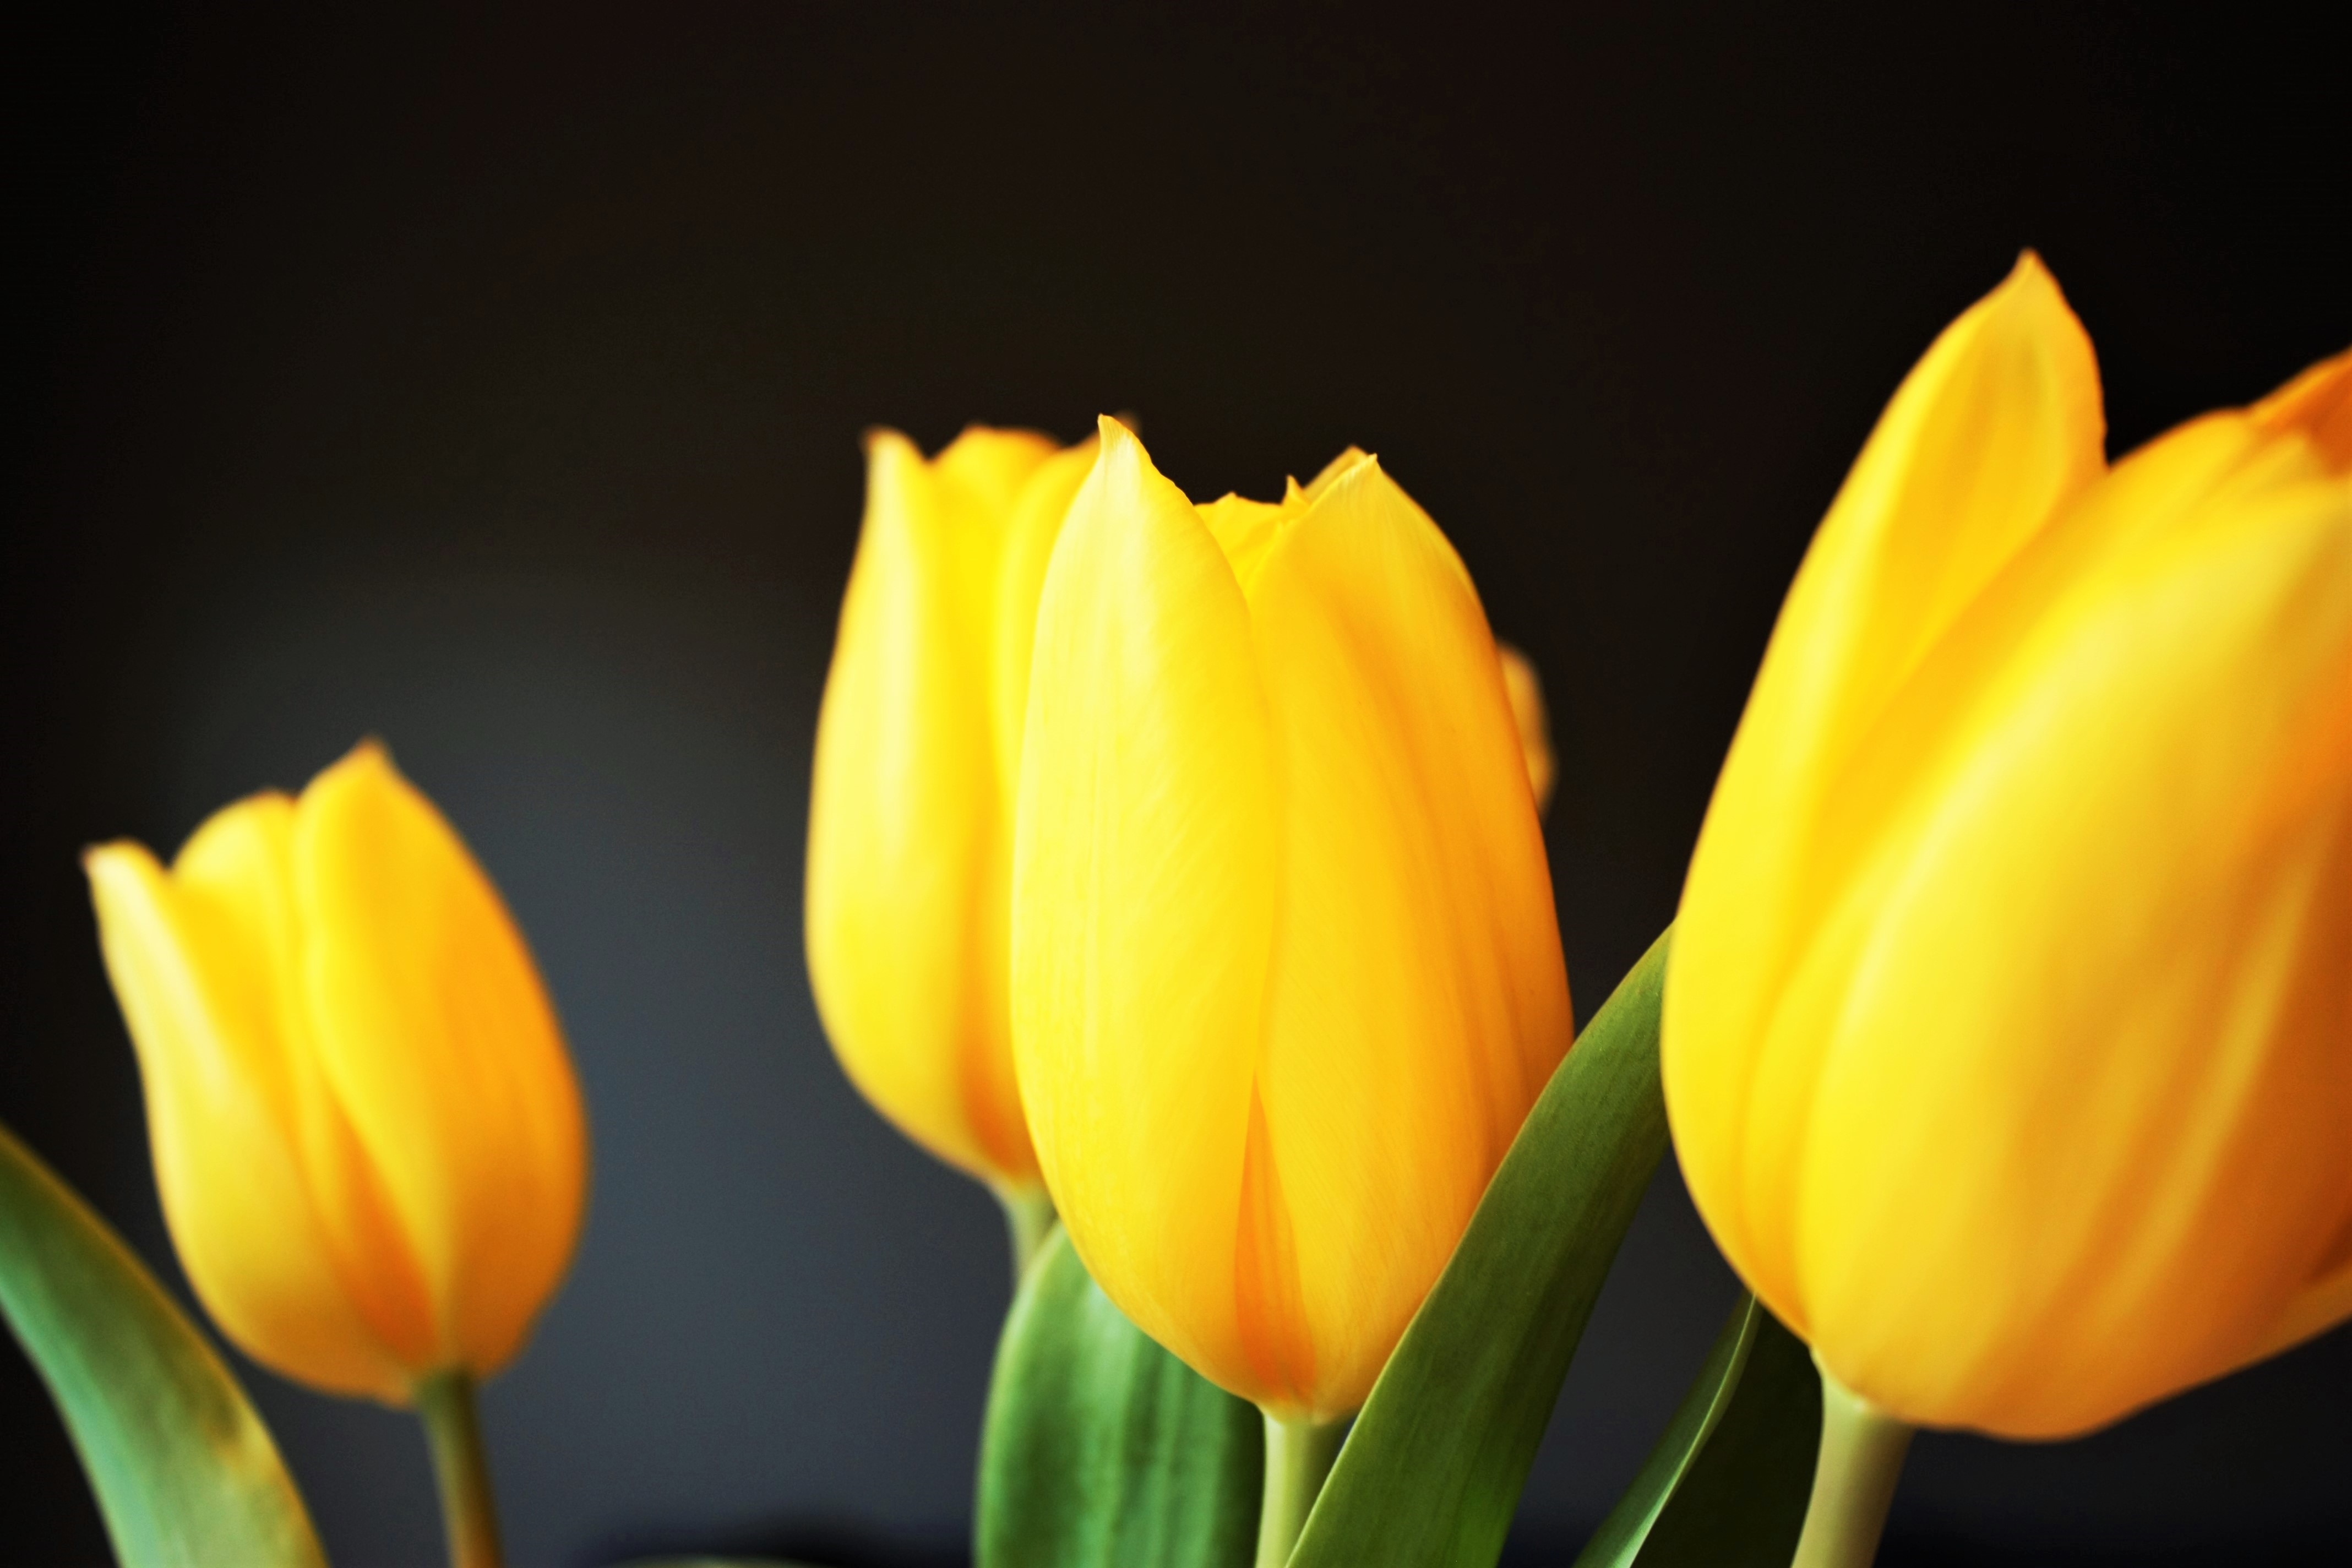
pixel 918 756
pixel 368 1141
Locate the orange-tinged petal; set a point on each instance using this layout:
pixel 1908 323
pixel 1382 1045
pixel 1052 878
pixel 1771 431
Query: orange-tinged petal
pixel 904 916
pixel 240 866
pixel 1524 687
pixel 2318 404
pixel 1416 1003
pixel 199 996
pixel 1990 435
pixel 1144 902
pixel 2319 1306
pixel 441 1045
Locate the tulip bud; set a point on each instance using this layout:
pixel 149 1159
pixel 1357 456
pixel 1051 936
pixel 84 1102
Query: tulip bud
pixel 2005 1038
pixel 910 811
pixel 369 1143
pixel 1285 972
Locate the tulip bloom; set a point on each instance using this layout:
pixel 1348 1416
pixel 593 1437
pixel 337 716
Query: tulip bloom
pixel 910 811
pixel 1285 970
pixel 2006 1038
pixel 370 1147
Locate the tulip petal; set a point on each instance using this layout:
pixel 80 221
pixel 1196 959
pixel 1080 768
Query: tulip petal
pixel 1246 530
pixel 1418 1002
pixel 1333 472
pixel 2126 1066
pixel 241 865
pixel 1143 902
pixel 2317 403
pixel 441 1045
pixel 905 920
pixel 984 470
pixel 1033 525
pixel 1991 433
pixel 2313 1310
pixel 196 991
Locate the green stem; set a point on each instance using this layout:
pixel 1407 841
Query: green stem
pixel 1854 1480
pixel 1298 1455
pixel 1029 1216
pixel 461 1469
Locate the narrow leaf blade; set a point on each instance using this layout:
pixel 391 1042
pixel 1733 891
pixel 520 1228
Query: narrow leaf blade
pixel 1432 1473
pixel 1740 1502
pixel 1101 1449
pixel 184 1471
pixel 1617 1543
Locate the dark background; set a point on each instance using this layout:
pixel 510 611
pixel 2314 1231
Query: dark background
pixel 493 385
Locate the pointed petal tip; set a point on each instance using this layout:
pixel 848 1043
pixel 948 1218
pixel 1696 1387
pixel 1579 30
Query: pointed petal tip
pixel 1121 456
pixel 114 859
pixel 2030 284
pixel 1352 469
pixel 370 758
pixel 1338 469
pixel 891 459
pixel 2318 405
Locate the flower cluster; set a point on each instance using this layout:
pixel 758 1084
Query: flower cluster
pixel 1178 870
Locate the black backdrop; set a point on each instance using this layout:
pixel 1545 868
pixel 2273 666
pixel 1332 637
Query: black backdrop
pixel 493 385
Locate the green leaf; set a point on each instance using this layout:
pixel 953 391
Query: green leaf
pixel 1102 1448
pixel 1432 1473
pixel 183 1469
pixel 1727 1486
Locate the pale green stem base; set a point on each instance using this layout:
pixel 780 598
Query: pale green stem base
pixel 1298 1455
pixel 1854 1480
pixel 1029 1216
pixel 461 1469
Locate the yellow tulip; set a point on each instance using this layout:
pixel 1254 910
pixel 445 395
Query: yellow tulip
pixel 369 1143
pixel 2007 1038
pixel 1285 970
pixel 910 811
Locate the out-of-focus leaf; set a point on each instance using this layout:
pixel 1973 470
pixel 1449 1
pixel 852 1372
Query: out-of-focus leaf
pixel 1726 1487
pixel 1430 1475
pixel 1101 1449
pixel 184 1471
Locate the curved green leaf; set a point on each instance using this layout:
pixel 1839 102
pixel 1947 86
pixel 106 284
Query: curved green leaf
pixel 1619 1540
pixel 1430 1475
pixel 1726 1485
pixel 183 1469
pixel 1102 1448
